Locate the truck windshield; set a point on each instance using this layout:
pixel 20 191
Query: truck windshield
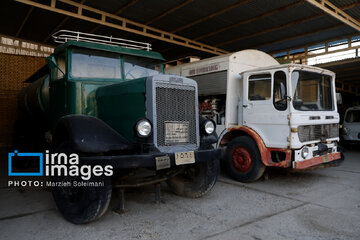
pixel 138 67
pixel 311 91
pixel 95 64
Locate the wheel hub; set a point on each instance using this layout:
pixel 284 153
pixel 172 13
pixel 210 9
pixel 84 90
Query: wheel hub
pixel 241 159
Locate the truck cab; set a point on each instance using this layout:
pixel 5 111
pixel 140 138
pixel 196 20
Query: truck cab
pixel 108 100
pixel 292 107
pixel 267 114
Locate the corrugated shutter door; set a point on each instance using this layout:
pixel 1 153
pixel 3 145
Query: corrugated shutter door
pixel 211 83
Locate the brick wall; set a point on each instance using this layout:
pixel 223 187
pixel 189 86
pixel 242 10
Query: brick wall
pixel 14 70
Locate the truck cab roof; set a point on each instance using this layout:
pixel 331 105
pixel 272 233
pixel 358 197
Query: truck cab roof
pixel 295 66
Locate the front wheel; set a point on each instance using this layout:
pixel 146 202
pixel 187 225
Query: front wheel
pixel 243 160
pixel 82 204
pixel 196 180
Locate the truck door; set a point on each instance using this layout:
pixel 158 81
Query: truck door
pixel 265 106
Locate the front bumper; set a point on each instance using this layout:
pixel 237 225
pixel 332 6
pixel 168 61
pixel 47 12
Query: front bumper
pixel 145 160
pixel 330 157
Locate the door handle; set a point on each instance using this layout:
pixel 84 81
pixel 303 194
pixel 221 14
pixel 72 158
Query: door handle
pixel 245 105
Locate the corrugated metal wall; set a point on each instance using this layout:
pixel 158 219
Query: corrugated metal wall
pixel 14 69
pixel 211 83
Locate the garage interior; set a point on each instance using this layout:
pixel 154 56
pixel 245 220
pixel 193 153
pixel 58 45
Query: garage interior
pixel 323 33
pixel 292 31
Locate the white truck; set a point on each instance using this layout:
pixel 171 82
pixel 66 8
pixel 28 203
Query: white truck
pixel 351 125
pixel 267 114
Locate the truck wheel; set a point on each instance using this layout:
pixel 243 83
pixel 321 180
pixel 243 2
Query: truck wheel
pixel 196 180
pixel 243 160
pixel 81 204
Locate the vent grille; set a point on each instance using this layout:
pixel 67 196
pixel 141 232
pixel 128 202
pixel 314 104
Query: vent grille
pixel 211 83
pixel 175 103
pixel 316 132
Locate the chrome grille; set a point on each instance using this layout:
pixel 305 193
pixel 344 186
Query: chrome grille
pixel 316 132
pixel 175 103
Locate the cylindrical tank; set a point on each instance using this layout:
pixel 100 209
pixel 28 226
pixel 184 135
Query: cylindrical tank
pixel 34 99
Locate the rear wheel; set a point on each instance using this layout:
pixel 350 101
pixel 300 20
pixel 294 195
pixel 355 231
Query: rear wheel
pixel 196 180
pixel 243 160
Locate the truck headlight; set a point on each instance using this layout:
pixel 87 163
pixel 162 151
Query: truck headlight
pixel 143 128
pixel 209 126
pixel 305 152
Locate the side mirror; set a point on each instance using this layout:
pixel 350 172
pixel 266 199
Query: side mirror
pixel 53 64
pixel 338 98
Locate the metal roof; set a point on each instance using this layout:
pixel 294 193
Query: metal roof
pixel 229 25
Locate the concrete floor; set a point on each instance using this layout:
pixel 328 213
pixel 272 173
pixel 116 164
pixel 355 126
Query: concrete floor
pixel 320 204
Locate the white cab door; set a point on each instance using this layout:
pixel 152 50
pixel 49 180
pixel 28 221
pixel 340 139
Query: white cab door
pixel 265 106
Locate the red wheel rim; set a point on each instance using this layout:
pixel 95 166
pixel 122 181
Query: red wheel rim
pixel 241 159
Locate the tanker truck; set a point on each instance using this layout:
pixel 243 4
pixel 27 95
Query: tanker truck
pixel 108 101
pixel 267 114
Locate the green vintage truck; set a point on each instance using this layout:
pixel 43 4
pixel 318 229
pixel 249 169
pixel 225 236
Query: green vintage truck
pixel 107 100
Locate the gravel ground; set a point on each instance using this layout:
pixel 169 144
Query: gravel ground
pixel 319 204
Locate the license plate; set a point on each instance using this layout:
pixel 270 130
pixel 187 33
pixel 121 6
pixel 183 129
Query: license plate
pixel 162 162
pixel 184 158
pixel 176 132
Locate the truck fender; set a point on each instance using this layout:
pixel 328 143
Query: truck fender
pixel 265 152
pixel 88 134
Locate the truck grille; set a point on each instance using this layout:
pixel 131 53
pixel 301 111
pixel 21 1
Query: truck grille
pixel 316 132
pixel 175 104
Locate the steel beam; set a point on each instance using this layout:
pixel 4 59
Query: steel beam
pixel 211 16
pixel 120 10
pixel 249 20
pixel 24 21
pixel 309 54
pixel 336 12
pixel 167 12
pixel 284 26
pixel 124 24
pixel 59 25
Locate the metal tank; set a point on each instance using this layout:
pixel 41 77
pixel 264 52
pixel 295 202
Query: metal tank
pixel 34 99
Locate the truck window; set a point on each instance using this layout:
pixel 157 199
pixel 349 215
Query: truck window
pixel 280 98
pixel 311 91
pixel 138 67
pixel 259 87
pixel 95 64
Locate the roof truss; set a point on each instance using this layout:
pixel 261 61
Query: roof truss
pixel 336 12
pixel 123 24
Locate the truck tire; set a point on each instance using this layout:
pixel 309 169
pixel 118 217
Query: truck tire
pixel 243 161
pixel 83 204
pixel 196 180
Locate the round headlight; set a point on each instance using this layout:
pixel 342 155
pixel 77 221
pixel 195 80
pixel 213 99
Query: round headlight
pixel 305 152
pixel 209 127
pixel 143 128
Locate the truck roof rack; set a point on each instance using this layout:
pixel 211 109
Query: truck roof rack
pixel 63 36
